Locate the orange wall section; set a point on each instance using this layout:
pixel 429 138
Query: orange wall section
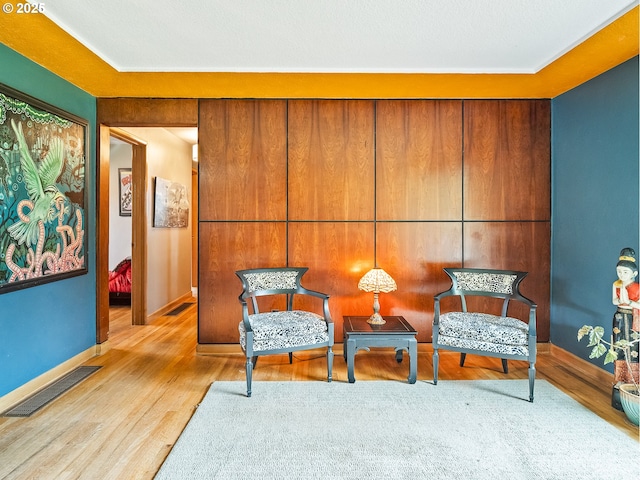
pixel 42 41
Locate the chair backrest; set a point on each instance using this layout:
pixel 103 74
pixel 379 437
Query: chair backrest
pixel 503 284
pixel 271 281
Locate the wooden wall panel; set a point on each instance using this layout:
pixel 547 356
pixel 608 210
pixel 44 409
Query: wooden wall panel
pixel 148 112
pixel 331 160
pixel 243 160
pixel 419 159
pixel 522 246
pixel 319 159
pixel 507 160
pixel 337 254
pixel 224 248
pixel 414 254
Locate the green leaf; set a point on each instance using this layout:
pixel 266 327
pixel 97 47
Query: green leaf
pixel 595 336
pixel 611 357
pixel 622 344
pixel 598 351
pixel 584 331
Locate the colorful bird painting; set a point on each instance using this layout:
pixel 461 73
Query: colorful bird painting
pixel 41 187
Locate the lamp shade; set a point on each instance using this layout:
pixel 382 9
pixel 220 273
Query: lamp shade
pixel 377 280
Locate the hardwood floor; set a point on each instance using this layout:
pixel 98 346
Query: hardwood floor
pixel 122 421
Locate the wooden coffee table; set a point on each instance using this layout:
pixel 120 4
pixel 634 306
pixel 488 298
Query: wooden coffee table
pixel 397 333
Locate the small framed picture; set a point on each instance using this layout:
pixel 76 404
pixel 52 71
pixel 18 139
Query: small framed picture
pixel 124 177
pixel 171 208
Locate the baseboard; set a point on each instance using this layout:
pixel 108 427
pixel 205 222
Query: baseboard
pixel 543 347
pixel 102 348
pixel 170 306
pixel 234 348
pixel 218 349
pixel 19 394
pixel 586 370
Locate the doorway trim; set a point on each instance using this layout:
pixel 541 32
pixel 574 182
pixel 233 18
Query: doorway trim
pixel 127 112
pixel 138 228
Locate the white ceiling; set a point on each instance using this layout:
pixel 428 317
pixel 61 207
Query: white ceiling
pixel 404 36
pixel 189 135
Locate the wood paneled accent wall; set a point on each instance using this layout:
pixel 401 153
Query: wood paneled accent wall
pixel 340 185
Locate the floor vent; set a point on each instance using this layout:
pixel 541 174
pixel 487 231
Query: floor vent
pixel 48 394
pixel 179 309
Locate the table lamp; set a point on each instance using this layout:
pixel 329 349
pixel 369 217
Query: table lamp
pixel 377 280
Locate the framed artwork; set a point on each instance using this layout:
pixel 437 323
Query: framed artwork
pixel 43 192
pixel 124 188
pixel 171 207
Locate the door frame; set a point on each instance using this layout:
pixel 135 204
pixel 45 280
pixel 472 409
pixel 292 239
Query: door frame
pixel 138 229
pixel 123 112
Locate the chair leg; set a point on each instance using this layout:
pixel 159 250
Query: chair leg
pixel 249 369
pixel 463 356
pixel 436 357
pixel 532 378
pixel 254 360
pixel 505 366
pixel 329 364
pixel 290 357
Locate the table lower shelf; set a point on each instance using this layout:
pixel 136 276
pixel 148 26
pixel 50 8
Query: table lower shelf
pixel 397 334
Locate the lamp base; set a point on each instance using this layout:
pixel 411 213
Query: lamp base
pixel 376 319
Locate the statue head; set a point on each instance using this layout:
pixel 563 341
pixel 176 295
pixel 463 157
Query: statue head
pixel 627 268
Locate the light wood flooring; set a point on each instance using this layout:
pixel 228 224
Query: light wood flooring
pixel 122 421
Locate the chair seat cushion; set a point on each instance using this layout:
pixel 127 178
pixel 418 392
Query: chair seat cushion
pixel 284 330
pixel 485 332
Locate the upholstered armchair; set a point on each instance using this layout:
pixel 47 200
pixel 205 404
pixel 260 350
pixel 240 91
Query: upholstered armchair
pixel 482 333
pixel 280 328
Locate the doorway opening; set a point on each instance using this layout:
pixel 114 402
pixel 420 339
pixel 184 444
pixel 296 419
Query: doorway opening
pixel 138 229
pixel 154 286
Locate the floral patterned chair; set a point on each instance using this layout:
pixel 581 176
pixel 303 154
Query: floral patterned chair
pixel 280 328
pixel 484 333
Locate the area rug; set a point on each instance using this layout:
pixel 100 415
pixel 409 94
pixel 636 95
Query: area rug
pixel 464 430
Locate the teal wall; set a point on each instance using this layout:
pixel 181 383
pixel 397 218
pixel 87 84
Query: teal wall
pixel 595 199
pixel 43 326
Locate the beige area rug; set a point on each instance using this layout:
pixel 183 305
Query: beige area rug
pixel 464 430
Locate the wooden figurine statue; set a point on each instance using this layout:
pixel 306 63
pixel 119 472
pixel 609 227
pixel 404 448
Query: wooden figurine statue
pixel 626 296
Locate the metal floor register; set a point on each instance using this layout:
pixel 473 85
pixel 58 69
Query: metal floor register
pixel 49 393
